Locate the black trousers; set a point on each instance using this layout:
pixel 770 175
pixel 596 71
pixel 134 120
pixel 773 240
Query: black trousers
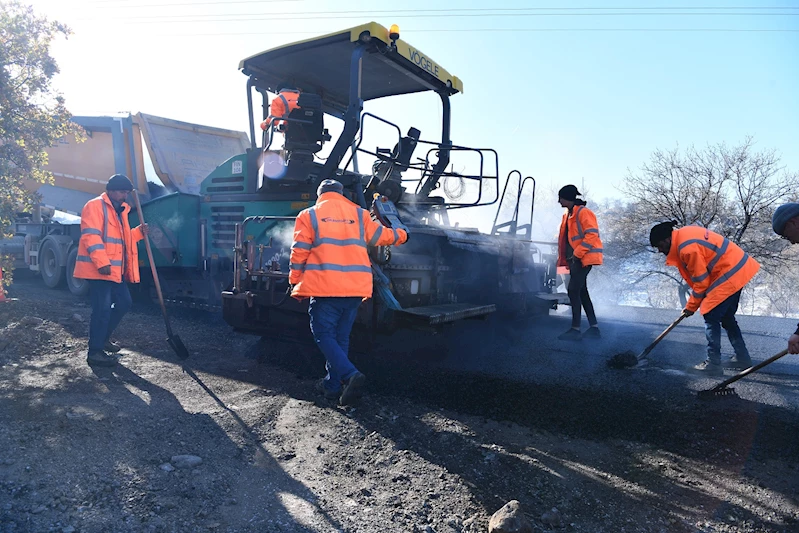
pixel 578 293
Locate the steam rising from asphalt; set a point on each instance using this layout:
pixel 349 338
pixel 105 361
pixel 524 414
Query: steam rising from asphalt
pixel 282 235
pixel 174 222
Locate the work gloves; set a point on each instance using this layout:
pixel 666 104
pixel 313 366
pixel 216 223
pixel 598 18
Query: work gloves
pixel 686 313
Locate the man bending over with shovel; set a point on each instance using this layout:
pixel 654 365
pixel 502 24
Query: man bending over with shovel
pixel 716 270
pixel 786 224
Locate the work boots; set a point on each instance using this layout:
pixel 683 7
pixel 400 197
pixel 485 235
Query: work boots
pixel 324 391
pixel 100 358
pixel 592 333
pixel 709 368
pixel 738 364
pixel 111 346
pixel 353 389
pixel 571 335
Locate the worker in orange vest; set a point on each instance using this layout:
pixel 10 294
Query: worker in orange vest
pixel 785 223
pixel 108 257
pixel 579 249
pixel 716 270
pixel 330 265
pixel 284 103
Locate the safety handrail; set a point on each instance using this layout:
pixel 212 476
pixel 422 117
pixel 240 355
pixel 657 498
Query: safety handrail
pixel 513 224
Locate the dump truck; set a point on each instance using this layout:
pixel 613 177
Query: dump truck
pixel 229 246
pixel 179 156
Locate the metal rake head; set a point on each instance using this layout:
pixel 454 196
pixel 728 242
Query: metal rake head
pixel 716 393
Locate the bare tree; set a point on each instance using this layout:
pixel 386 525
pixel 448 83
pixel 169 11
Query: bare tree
pixel 730 190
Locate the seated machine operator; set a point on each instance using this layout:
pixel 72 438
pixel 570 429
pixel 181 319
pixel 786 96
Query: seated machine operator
pixel 283 104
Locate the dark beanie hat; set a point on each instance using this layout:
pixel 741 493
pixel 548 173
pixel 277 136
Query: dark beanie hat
pixel 661 232
pixel 118 182
pixel 569 192
pixel 783 215
pixel 330 186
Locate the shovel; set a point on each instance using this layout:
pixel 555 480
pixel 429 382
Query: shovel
pixel 722 388
pixel 629 359
pixel 173 340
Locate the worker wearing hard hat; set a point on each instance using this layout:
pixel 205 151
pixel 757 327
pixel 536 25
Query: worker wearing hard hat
pixel 330 265
pixel 785 223
pixel 108 257
pixel 716 270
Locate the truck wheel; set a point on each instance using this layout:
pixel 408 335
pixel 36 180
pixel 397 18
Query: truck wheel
pixel 77 286
pixel 52 272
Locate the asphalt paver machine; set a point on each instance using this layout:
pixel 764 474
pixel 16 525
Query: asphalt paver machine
pixel 445 273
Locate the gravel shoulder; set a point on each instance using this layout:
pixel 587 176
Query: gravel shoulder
pixel 429 449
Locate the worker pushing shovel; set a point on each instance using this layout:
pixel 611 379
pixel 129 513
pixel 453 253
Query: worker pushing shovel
pixel 785 223
pixel 629 359
pixel 717 270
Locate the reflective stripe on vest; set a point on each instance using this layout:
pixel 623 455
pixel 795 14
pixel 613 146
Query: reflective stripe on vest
pixel 581 234
pixel 105 222
pixel 376 236
pixel 727 275
pixel 720 251
pixel 314 225
pixel 285 106
pixel 339 268
pixel 379 232
pixel 318 241
pixel 114 240
pixel 87 259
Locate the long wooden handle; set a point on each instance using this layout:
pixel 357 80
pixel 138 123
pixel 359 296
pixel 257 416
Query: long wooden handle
pixel 660 337
pixel 152 265
pixel 748 371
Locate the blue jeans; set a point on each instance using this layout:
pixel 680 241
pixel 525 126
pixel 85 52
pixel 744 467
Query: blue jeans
pixel 106 318
pixel 331 324
pixel 723 316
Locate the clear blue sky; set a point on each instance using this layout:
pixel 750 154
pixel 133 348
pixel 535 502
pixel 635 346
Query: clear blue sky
pixel 565 106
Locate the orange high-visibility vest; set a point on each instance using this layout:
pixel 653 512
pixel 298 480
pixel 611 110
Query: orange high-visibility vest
pixel 102 236
pixel 283 104
pixel 329 255
pixel 713 267
pixel 584 232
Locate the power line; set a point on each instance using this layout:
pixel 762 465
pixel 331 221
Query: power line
pixel 506 30
pixel 644 8
pixel 343 15
pixel 102 5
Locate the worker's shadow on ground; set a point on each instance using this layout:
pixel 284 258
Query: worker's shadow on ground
pixel 740 426
pixel 634 416
pixel 156 427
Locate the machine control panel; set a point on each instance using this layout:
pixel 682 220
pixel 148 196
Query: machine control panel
pixel 386 212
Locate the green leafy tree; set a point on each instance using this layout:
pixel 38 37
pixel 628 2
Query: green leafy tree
pixel 32 113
